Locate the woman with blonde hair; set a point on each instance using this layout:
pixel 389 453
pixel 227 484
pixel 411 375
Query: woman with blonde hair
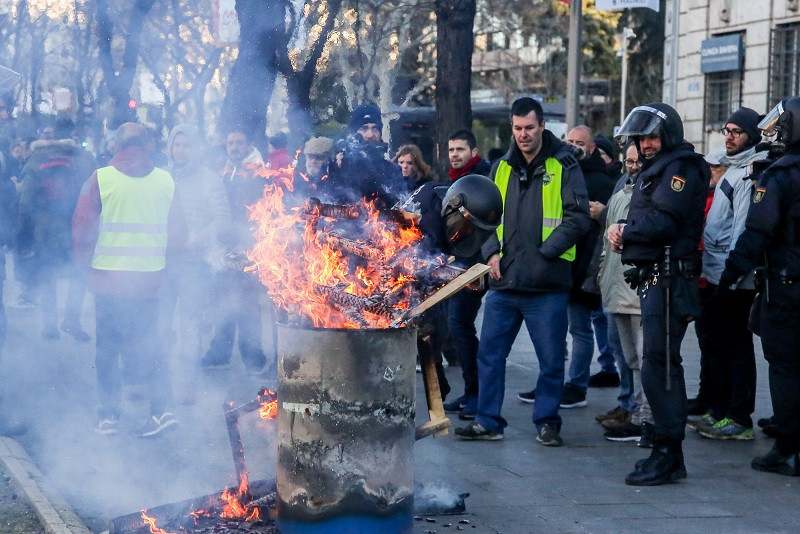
pixel 415 171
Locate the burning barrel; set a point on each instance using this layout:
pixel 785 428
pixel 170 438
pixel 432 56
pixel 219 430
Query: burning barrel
pixel 345 430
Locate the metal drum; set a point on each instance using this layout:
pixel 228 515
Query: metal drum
pixel 345 430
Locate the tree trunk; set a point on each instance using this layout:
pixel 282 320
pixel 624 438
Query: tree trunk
pixel 119 81
pixel 253 75
pixel 454 45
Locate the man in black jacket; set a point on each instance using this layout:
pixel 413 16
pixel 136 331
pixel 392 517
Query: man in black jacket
pixel 666 211
pixel 545 214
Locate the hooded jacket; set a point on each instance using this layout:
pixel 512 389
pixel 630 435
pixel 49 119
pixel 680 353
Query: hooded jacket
pixel 529 264
pixel 132 161
pixel 617 295
pixel 202 199
pixel 728 212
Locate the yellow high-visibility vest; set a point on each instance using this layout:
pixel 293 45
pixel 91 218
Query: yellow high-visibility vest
pixel 552 205
pixel 133 220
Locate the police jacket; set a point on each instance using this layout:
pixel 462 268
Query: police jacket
pixel 726 218
pixel 772 225
pixel 528 263
pixel 667 207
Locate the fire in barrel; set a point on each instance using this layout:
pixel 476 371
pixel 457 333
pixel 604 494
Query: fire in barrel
pixel 343 279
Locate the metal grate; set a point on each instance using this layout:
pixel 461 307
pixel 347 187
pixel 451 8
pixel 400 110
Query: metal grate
pixel 784 63
pixel 723 96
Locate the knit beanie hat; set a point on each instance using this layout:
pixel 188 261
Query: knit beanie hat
pixel 606 146
pixel 365 114
pixel 747 119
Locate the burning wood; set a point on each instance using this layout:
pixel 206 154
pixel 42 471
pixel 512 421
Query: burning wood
pixel 351 246
pixel 374 304
pixel 316 207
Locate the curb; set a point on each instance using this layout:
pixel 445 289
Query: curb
pixel 56 516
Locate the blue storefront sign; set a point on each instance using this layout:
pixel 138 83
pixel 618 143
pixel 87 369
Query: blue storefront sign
pixel 720 54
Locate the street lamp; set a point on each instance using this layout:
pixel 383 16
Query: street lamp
pixel 627 33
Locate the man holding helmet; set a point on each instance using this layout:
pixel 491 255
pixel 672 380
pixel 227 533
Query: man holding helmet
pixel 454 220
pixel 773 227
pixel 660 237
pixel 545 213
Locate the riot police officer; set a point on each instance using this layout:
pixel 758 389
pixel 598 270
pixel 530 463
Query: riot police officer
pixel 773 226
pixel 660 237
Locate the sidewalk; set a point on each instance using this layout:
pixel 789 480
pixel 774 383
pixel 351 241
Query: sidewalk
pixel 515 485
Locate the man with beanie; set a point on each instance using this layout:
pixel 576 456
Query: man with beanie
pixel 725 341
pixel 608 152
pixel 362 170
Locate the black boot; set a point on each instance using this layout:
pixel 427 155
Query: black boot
pixel 665 464
pixel 776 462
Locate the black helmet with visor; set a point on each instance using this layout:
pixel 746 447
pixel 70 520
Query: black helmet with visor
pixel 472 209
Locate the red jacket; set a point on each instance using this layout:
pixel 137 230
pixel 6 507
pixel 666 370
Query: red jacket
pixel 134 162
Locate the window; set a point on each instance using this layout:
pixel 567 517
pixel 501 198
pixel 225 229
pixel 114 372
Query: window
pixel 723 96
pixel 784 63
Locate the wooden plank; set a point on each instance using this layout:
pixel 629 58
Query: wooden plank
pixel 432 392
pixel 430 428
pixel 470 275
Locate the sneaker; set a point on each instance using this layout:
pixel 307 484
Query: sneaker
pixel 573 397
pixel 766 421
pixel 616 424
pixel 155 425
pixel 455 405
pixel 527 396
pixel 210 361
pixel 696 407
pixel 549 436
pixel 617 413
pixel 629 432
pixel 727 429
pixel 604 379
pixel 696 423
pixel 475 432
pixel 470 409
pixel 107 427
pixel 74 329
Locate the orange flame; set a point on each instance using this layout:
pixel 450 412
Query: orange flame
pixel 233 507
pixel 151 522
pixel 269 410
pixel 292 259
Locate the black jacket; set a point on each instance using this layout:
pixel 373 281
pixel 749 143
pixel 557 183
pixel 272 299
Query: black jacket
pixel 667 208
pixel 528 264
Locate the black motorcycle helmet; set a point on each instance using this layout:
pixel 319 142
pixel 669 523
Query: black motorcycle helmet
pixel 783 120
pixel 472 209
pixel 656 118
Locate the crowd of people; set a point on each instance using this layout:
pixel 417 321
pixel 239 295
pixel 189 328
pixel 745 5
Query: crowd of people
pixel 618 255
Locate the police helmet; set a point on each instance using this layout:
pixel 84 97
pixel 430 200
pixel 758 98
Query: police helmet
pixel 655 118
pixel 472 209
pixel 783 120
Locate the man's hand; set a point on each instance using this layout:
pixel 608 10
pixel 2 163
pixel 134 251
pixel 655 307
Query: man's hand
pixel 494 267
pixel 595 209
pixel 615 236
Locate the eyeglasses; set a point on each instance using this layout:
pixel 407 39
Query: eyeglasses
pixel 631 162
pixel 733 133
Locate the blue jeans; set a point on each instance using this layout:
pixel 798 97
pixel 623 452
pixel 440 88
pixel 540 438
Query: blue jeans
pixel 586 325
pixel 545 316
pixel 625 396
pixel 607 358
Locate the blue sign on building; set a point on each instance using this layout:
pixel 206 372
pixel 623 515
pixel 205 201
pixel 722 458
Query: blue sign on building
pixel 720 54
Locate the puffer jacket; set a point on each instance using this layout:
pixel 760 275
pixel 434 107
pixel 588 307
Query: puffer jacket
pixel 529 264
pixel 727 215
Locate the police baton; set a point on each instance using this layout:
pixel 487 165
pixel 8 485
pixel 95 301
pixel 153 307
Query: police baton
pixel 667 281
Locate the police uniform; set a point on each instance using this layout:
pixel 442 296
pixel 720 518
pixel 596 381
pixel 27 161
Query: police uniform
pixel 773 226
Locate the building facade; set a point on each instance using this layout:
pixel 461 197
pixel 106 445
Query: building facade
pixel 733 53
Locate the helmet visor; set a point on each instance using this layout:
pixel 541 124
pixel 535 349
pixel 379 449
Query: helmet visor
pixel 767 124
pixel 643 120
pixel 464 237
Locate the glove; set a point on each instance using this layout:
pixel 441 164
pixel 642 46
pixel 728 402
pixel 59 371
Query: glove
pixel 727 279
pixel 632 277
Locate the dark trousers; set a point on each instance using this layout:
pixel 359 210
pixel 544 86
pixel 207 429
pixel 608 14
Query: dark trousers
pixel 668 407
pixel 237 295
pixel 728 354
pixel 462 310
pixel 128 328
pixel 780 338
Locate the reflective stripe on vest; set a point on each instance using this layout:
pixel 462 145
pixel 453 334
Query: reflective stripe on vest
pixel 133 220
pixel 552 206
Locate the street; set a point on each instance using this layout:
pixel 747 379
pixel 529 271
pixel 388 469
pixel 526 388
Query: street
pixel 515 485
